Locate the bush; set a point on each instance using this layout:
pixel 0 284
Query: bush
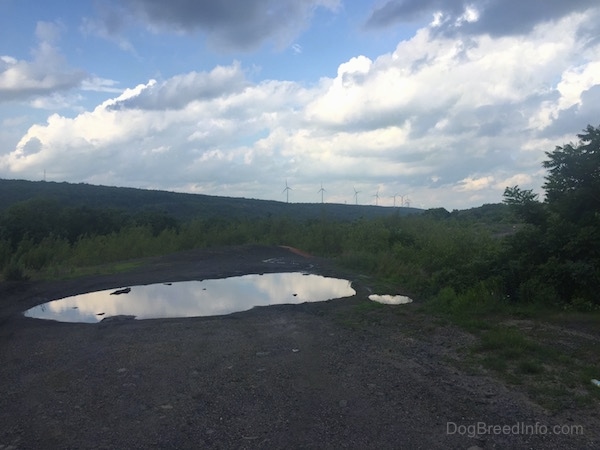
pixel 14 272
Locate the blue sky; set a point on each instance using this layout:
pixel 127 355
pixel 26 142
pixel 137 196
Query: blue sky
pixel 442 102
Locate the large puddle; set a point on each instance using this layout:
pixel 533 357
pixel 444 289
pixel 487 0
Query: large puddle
pixel 194 298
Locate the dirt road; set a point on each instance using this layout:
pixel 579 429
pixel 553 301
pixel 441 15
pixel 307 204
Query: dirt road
pixel 336 374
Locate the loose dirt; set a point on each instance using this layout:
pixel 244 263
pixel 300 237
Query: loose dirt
pixel 338 374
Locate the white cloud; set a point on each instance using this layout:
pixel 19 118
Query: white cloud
pixel 48 32
pixel 519 179
pixel 574 82
pixel 180 90
pixel 474 184
pixel 98 84
pixel 47 73
pixel 448 121
pixel 55 101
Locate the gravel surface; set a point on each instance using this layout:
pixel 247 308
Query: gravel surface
pixel 335 374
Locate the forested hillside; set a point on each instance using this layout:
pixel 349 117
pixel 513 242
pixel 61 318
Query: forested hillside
pixel 180 206
pixel 54 229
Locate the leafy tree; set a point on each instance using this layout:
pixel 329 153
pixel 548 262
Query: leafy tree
pixel 573 183
pixel 436 213
pixel 560 246
pixel 525 205
pixel 158 221
pixel 35 219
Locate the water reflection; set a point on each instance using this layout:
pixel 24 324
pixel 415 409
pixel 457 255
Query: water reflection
pixel 195 298
pixel 390 299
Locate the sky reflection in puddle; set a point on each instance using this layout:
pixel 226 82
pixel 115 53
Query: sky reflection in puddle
pixel 195 298
pixel 390 299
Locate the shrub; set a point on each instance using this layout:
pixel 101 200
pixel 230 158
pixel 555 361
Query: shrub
pixel 14 272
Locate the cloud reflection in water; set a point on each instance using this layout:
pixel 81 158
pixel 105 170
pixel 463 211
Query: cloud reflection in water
pixel 195 298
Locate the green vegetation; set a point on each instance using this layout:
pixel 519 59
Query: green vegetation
pixel 464 262
pixel 529 354
pixel 555 257
pixel 418 252
pixel 484 269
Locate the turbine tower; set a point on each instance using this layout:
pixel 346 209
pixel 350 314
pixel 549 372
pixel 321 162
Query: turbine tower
pixel 376 197
pixel 322 191
pixel 356 196
pixel 287 192
pixel 401 199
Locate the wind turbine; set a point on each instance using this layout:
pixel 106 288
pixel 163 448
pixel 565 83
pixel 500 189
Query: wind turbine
pixel 287 192
pixel 356 195
pixel 376 197
pixel 322 191
pixel 401 199
pixel 394 196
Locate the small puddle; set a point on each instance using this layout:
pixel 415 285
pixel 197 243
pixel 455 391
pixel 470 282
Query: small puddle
pixel 194 298
pixel 390 299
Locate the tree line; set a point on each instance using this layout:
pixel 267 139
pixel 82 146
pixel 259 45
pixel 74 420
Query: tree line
pixel 525 250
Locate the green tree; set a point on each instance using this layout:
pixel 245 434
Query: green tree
pixel 559 248
pixel 525 205
pixel 573 182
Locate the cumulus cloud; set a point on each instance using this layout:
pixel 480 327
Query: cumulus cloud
pixel 180 142
pixel 493 17
pixel 47 73
pixel 441 84
pixel 445 120
pixel 228 24
pixel 586 111
pixel 180 90
pixel 474 184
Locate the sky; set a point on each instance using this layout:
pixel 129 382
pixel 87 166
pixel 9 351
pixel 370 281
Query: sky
pixel 426 103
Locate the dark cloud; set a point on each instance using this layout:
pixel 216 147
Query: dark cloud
pixel 496 17
pixel 398 11
pixel 230 24
pixel 576 118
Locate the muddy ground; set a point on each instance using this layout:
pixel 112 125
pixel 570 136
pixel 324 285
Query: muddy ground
pixel 335 374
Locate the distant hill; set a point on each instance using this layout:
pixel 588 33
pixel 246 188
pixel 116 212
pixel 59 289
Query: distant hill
pixel 489 213
pixel 182 206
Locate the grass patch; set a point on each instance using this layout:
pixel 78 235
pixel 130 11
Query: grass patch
pixel 69 272
pixel 507 342
pixel 553 377
pixel 549 353
pixel 529 367
pixel 367 306
pixel 362 315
